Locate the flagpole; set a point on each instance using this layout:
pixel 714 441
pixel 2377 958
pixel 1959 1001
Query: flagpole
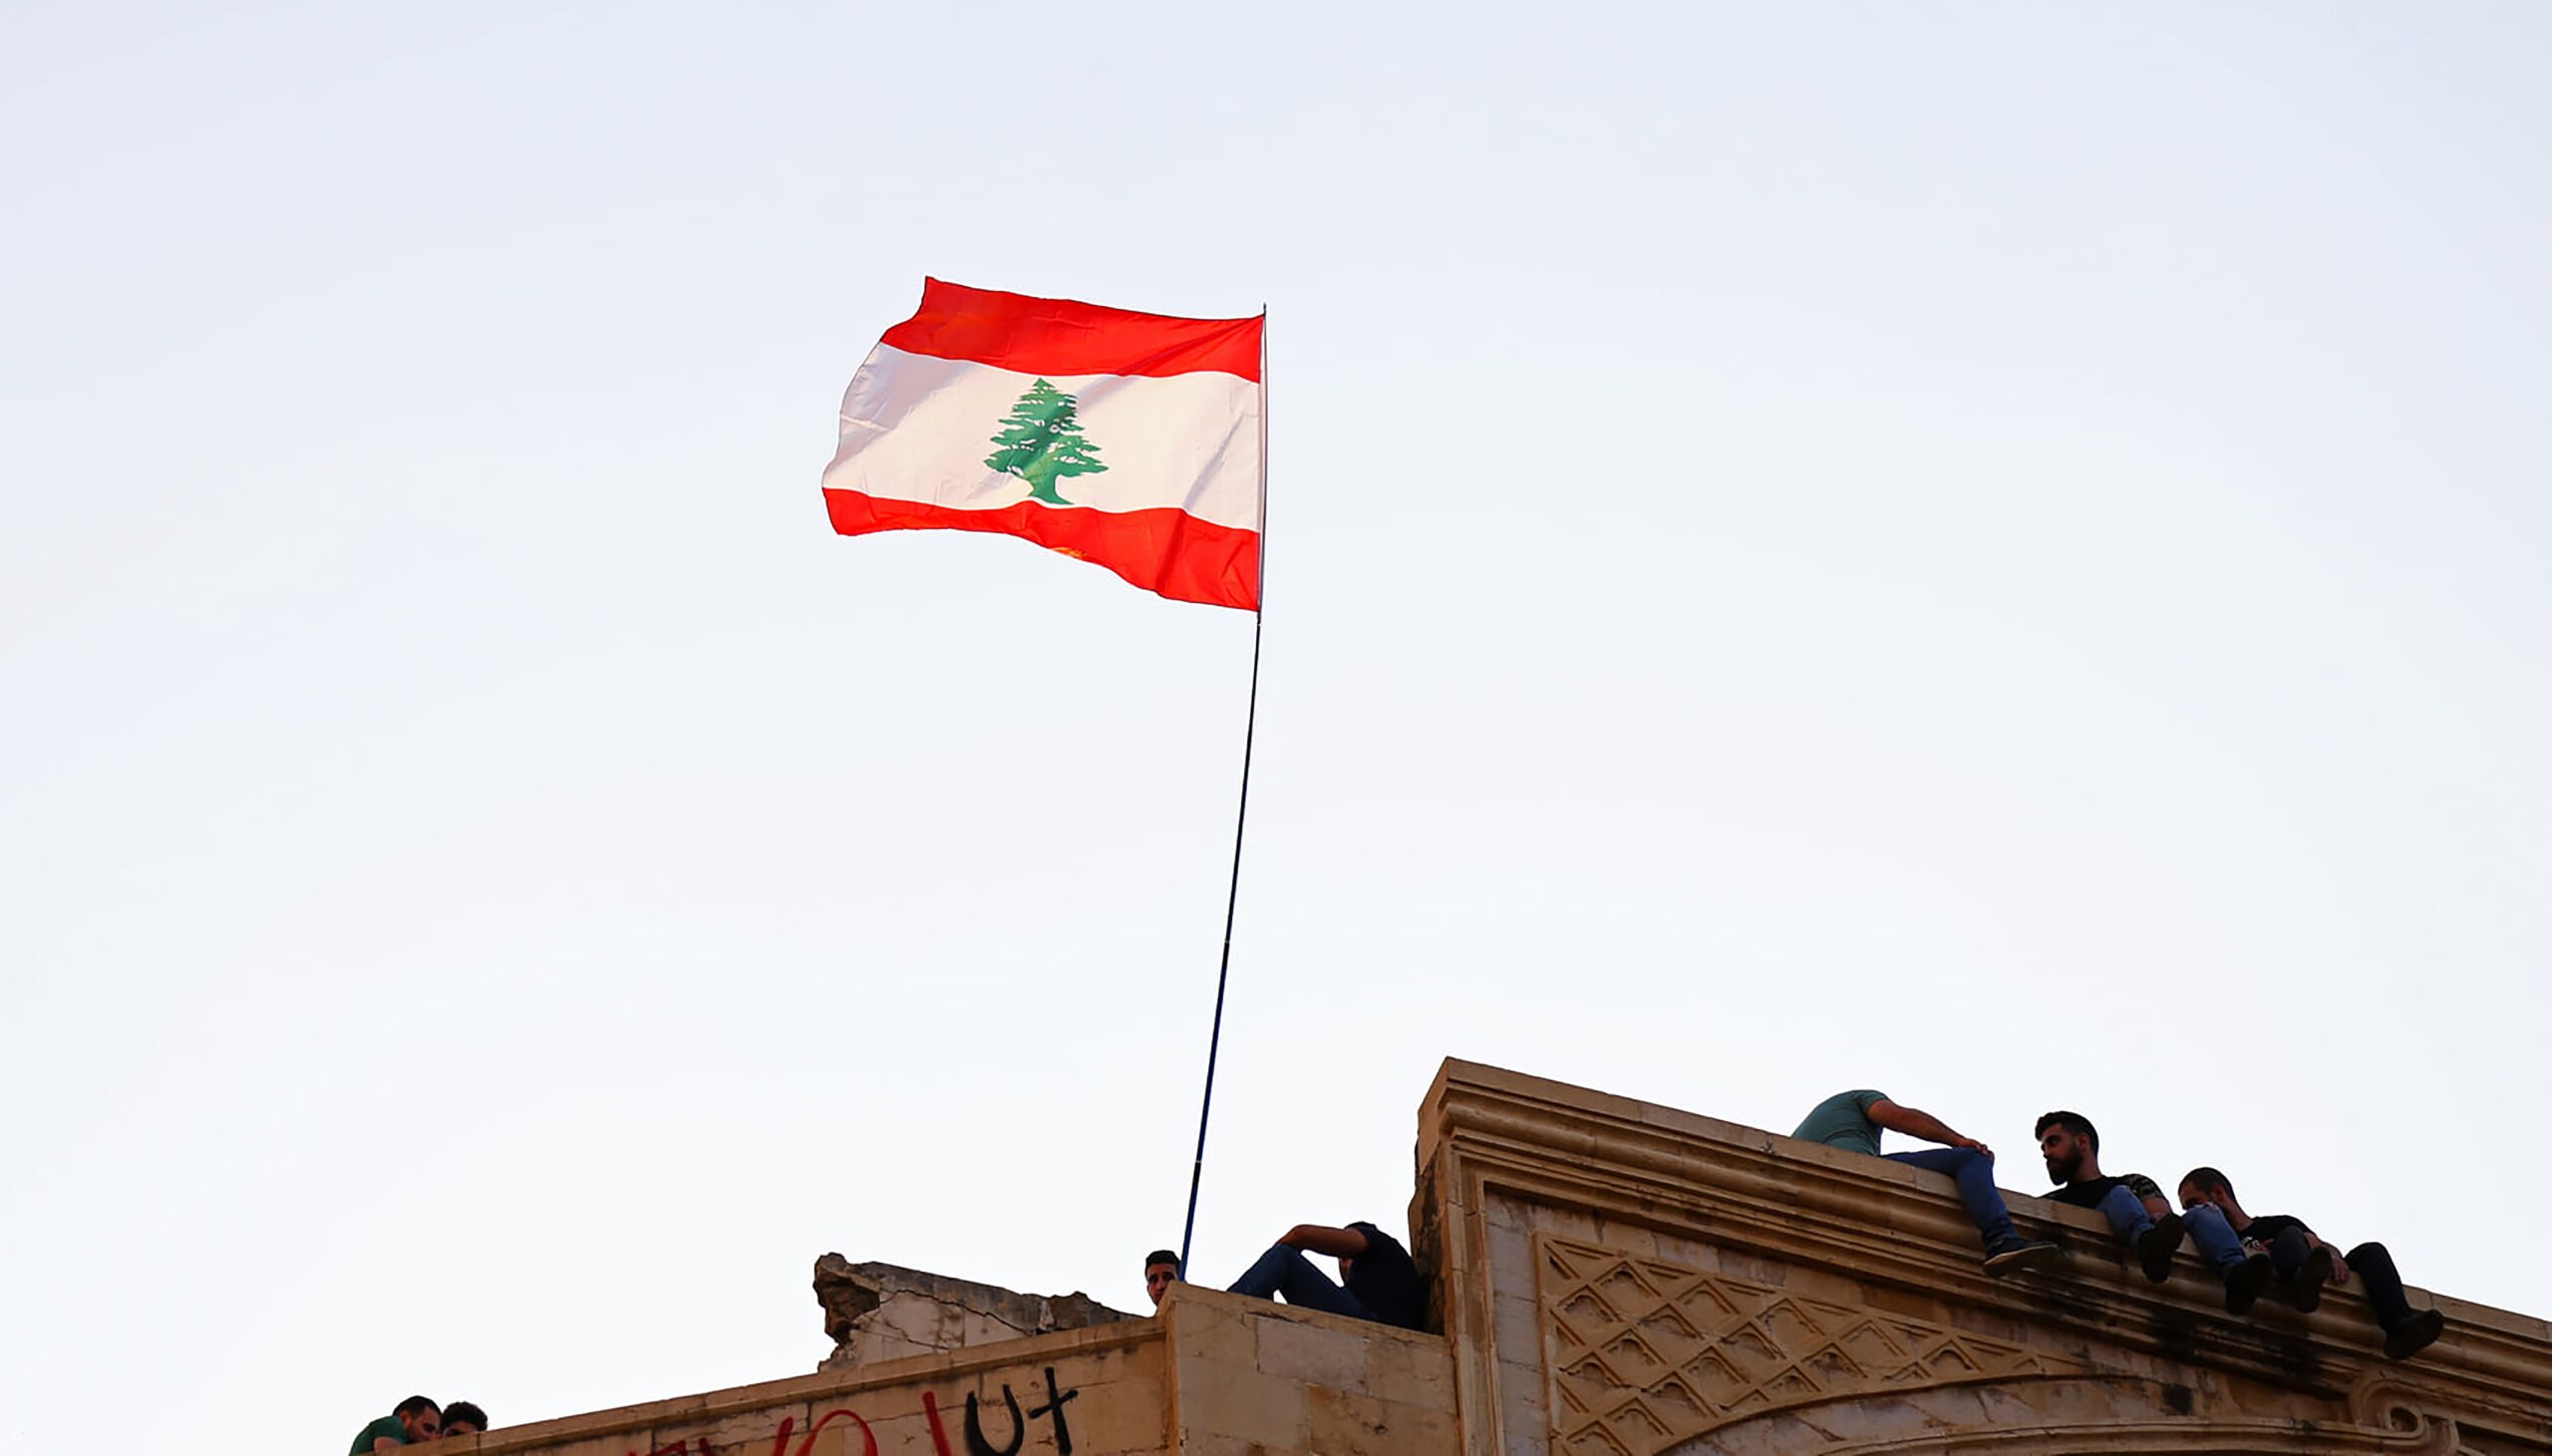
pixel 1240 825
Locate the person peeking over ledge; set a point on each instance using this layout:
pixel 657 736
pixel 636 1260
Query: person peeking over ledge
pixel 461 1418
pixel 1381 1282
pixel 1160 1271
pixel 415 1419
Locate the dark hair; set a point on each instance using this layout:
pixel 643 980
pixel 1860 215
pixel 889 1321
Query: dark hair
pixel 463 1410
pixel 2073 1123
pixel 412 1405
pixel 1163 1256
pixel 2210 1180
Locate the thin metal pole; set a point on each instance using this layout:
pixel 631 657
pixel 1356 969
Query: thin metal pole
pixel 1241 826
pixel 1222 976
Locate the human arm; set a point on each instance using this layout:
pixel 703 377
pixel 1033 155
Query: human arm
pixel 2156 1204
pixel 381 1444
pixel 1322 1239
pixel 1915 1122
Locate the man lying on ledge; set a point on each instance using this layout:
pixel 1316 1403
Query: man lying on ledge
pixel 1381 1281
pixel 2304 1264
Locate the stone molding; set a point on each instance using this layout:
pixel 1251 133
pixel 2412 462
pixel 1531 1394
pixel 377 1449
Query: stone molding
pixel 1767 1255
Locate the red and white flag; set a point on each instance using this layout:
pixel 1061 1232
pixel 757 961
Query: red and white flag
pixel 1132 440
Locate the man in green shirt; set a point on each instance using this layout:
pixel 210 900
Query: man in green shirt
pixel 415 1419
pixel 1851 1120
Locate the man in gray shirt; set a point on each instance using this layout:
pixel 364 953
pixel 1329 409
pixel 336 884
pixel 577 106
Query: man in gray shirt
pixel 1851 1120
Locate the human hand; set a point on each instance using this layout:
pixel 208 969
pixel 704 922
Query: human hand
pixel 1968 1142
pixel 2339 1268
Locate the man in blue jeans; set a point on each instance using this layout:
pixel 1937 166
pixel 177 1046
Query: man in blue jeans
pixel 2304 1264
pixel 1381 1281
pixel 2141 1218
pixel 1851 1120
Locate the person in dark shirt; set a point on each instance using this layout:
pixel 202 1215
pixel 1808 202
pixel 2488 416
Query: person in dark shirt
pixel 2304 1264
pixel 1381 1281
pixel 463 1418
pixel 2140 1215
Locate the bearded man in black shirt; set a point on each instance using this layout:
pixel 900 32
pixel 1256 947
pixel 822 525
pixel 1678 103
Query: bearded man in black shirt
pixel 2304 1264
pixel 2140 1215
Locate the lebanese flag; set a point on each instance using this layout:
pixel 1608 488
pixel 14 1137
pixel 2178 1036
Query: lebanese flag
pixel 1131 441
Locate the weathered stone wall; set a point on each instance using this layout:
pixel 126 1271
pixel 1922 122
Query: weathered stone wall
pixel 886 1311
pixel 1214 1374
pixel 1249 1377
pixel 1099 1393
pixel 1625 1280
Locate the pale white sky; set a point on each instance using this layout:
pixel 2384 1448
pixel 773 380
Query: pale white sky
pixel 1981 551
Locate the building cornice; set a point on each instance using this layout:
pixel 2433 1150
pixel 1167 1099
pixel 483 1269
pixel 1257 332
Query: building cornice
pixel 1486 1132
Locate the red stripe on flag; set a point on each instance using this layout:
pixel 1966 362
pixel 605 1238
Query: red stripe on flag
pixel 1055 336
pixel 1163 550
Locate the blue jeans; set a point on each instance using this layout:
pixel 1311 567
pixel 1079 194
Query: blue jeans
pixel 1975 1175
pixel 1283 1270
pixel 2217 1242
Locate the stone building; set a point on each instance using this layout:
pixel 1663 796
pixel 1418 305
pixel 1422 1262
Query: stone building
pixel 1617 1279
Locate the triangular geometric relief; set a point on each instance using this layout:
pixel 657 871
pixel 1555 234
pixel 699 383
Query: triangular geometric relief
pixel 1647 1354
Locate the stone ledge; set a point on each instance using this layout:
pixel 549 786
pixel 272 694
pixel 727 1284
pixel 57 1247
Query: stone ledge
pixel 1194 1297
pixel 1456 1075
pixel 1489 1133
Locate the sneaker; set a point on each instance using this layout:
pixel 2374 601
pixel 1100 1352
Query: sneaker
pixel 2155 1245
pixel 2414 1334
pixel 2244 1280
pixel 2305 1292
pixel 2019 1254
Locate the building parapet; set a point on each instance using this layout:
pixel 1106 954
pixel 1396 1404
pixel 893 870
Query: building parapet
pixel 1625 1278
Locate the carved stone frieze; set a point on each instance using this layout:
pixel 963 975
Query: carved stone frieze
pixel 1645 1354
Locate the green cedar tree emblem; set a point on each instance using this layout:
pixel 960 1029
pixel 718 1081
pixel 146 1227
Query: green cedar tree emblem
pixel 1040 440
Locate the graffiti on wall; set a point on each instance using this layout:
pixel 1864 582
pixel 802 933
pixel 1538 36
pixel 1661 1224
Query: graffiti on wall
pixel 1015 1427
